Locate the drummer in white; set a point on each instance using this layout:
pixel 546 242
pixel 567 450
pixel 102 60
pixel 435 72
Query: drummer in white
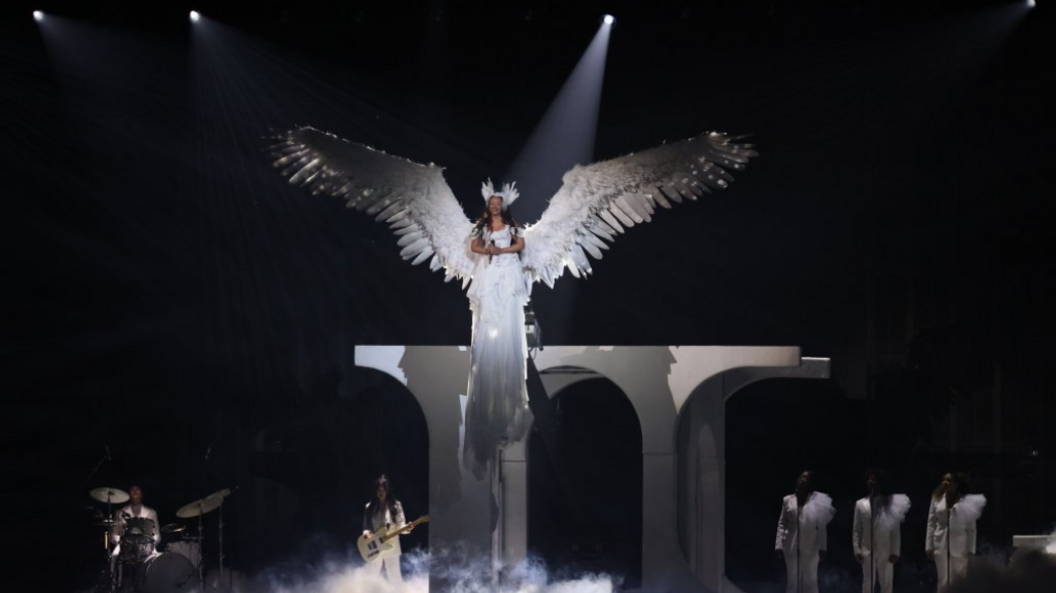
pixel 135 509
pixel 137 524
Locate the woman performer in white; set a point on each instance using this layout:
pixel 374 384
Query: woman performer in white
pixel 877 533
pixel 595 204
pixel 497 407
pixel 384 512
pixel 951 527
pixel 802 534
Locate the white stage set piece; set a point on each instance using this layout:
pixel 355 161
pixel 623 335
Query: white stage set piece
pixel 1040 542
pixel 679 488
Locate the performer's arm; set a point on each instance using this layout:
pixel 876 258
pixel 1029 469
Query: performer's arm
pixel 856 533
pixel 970 532
pixel 366 521
pixel 119 526
pixel 782 519
pixel 157 527
pixel 896 543
pixel 823 539
pixel 933 522
pixel 478 246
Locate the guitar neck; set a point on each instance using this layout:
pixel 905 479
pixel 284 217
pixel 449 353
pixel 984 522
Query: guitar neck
pixel 403 529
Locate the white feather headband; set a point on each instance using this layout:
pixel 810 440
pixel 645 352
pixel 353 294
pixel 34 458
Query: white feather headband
pixel 508 194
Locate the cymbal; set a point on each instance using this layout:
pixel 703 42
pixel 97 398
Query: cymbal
pixel 172 528
pixel 107 494
pixel 222 493
pixel 199 507
pixel 204 505
pixel 105 523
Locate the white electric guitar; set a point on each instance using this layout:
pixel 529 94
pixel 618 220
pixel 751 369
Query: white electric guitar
pixel 377 545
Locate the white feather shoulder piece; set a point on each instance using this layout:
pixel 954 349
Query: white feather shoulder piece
pixel 970 507
pixel 819 508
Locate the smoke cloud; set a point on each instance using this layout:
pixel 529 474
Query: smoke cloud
pixel 348 575
pixel 1029 571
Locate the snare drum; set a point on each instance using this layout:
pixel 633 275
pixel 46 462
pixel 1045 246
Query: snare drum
pixel 169 573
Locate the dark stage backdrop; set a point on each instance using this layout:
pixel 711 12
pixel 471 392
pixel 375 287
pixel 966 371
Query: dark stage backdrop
pixel 168 295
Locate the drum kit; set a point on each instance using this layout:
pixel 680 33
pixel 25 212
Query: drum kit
pixel 136 566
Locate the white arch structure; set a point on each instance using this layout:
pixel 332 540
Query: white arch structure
pixel 490 516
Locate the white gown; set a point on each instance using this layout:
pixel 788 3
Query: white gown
pixel 497 408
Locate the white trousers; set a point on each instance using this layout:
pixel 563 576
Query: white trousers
pixel 956 568
pixel 883 572
pixel 807 582
pixel 392 568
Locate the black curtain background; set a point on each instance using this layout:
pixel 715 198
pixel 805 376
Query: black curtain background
pixel 167 294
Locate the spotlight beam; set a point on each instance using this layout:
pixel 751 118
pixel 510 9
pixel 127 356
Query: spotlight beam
pixel 566 133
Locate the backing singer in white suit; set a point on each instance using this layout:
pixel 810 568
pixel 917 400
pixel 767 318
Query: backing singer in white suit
pixel 802 534
pixel 877 533
pixel 951 527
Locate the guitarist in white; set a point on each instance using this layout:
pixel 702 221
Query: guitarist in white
pixel 385 514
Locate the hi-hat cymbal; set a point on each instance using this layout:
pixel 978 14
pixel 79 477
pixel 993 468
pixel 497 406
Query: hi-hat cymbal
pixel 172 528
pixel 107 494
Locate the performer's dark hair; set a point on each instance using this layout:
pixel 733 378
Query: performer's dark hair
pixel 485 218
pixel 810 480
pixel 383 482
pixel 961 479
pixel 883 479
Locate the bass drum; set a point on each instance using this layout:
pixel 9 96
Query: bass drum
pixel 169 573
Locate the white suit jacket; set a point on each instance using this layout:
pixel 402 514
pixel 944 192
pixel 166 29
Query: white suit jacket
pixel 882 531
pixel 798 529
pixel 946 524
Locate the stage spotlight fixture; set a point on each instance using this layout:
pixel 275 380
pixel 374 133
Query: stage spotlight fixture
pixel 609 19
pixel 1030 3
pixel 195 16
pixel 38 15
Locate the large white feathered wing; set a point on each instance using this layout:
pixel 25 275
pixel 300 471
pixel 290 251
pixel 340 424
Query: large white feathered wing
pixel 598 201
pixel 414 199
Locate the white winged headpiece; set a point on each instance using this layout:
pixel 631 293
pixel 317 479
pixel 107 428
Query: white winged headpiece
pixel 508 194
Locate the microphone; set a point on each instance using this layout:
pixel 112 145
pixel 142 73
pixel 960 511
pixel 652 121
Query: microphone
pixel 490 255
pixel 107 449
